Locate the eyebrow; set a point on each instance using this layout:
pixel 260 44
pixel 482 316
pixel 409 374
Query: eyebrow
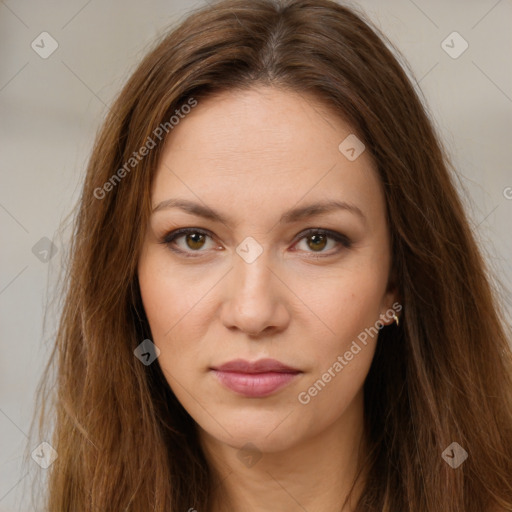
pixel 290 216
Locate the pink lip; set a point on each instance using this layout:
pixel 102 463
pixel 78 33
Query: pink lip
pixel 255 379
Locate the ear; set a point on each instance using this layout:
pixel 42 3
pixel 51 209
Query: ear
pixel 391 302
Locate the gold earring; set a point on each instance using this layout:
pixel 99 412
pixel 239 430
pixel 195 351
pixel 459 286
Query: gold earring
pixel 395 318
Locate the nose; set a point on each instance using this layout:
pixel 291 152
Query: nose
pixel 255 298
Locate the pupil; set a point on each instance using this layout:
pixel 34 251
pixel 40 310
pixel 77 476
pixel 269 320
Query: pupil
pixel 195 238
pixel 318 238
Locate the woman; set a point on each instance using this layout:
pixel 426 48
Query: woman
pixel 274 300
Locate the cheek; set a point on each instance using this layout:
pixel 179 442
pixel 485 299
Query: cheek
pixel 347 305
pixel 349 309
pixel 169 296
pixel 342 356
pixel 177 305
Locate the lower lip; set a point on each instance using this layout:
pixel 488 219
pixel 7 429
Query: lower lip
pixel 254 384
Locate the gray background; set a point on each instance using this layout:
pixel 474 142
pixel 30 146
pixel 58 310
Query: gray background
pixel 50 109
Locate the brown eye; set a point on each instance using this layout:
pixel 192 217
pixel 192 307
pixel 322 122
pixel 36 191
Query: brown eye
pixel 190 241
pixel 317 242
pixel 195 240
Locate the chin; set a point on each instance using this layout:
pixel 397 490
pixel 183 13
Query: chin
pixel 265 430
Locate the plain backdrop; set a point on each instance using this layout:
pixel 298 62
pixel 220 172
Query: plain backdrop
pixel 50 109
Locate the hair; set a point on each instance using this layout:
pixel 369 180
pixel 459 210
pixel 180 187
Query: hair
pixel 124 442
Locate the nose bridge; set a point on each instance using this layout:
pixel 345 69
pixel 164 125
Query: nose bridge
pixel 252 272
pixel 253 303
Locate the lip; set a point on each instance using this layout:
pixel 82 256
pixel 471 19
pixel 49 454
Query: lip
pixel 255 379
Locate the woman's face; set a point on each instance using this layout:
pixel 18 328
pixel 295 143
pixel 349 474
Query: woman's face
pixel 256 277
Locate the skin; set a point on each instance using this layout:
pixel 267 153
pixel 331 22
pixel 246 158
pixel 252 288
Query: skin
pixel 252 155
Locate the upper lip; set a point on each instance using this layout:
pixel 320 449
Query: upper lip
pixel 260 366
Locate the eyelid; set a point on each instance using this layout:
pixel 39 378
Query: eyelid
pixel 340 238
pixel 177 233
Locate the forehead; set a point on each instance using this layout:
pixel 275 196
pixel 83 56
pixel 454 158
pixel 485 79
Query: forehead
pixel 263 147
pixel 266 122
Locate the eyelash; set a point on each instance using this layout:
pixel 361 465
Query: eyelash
pixel 174 235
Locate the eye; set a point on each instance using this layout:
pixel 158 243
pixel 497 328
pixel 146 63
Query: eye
pixel 194 239
pixel 317 240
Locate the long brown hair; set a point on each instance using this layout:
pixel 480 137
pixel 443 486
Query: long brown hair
pixel 443 375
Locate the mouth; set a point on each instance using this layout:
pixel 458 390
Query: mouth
pixel 256 379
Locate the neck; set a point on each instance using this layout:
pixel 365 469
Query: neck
pixel 316 474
